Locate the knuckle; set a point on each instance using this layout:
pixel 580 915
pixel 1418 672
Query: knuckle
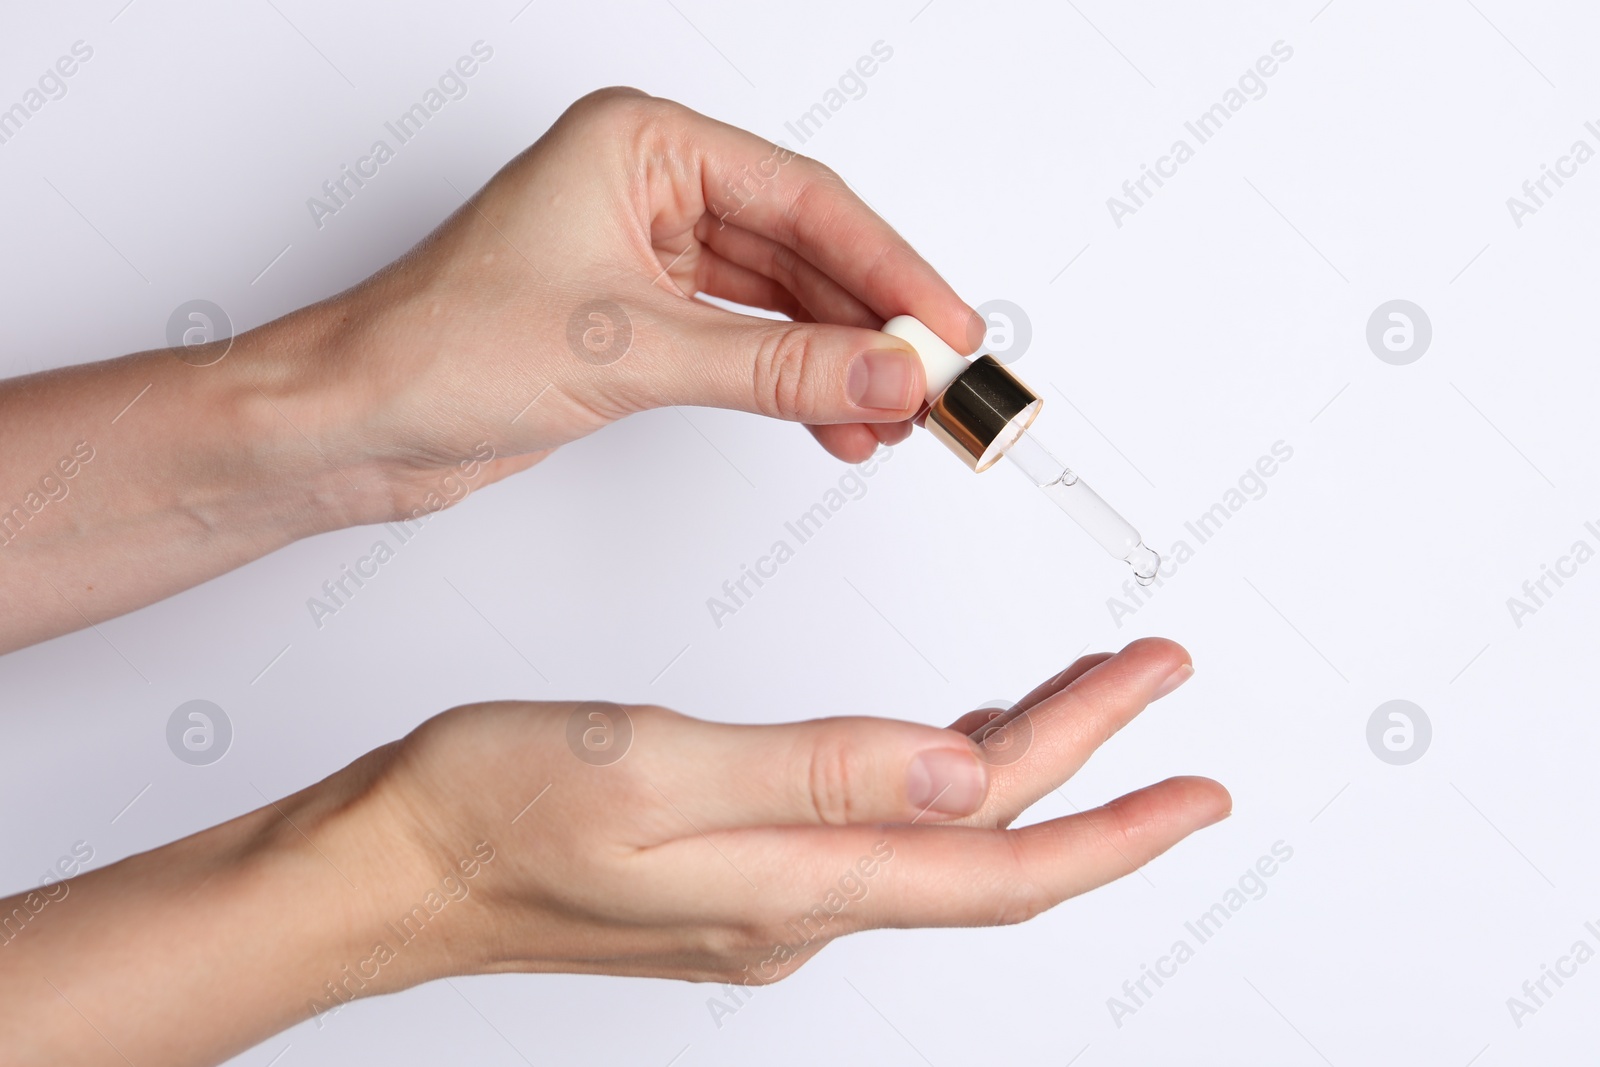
pixel 617 116
pixel 817 171
pixel 783 362
pixel 663 132
pixel 886 263
pixel 811 201
pixel 612 102
pixel 1022 903
pixel 831 783
pixel 1112 829
pixel 786 266
pixel 1097 707
pixel 1023 898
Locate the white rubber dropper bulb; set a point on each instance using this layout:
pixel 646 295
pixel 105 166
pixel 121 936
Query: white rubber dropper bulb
pixel 941 363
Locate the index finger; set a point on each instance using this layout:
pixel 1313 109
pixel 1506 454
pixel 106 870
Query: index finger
pixel 1055 737
pixel 805 206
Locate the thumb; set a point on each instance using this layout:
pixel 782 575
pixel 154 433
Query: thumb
pixel 809 372
pixel 822 772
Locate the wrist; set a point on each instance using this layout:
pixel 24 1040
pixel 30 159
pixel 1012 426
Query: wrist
pixel 307 422
pixel 398 900
pixel 369 377
pixel 269 913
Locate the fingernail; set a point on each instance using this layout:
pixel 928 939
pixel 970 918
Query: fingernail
pixel 977 332
pixel 881 378
pixel 1173 680
pixel 946 780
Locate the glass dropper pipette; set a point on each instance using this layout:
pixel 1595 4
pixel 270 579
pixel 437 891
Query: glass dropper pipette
pixel 1087 508
pixel 982 412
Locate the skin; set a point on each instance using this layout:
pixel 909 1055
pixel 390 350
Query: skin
pixel 545 841
pixel 349 412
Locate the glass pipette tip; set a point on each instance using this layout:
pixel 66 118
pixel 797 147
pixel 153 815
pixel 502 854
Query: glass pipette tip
pixel 1084 506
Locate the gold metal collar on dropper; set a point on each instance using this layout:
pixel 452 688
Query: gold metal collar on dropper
pixel 982 412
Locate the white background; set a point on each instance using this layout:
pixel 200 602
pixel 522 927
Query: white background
pixel 1227 314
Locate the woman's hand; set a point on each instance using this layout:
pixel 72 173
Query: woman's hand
pixel 558 299
pixel 584 838
pixel 673 847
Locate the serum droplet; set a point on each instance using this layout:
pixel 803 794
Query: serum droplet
pixel 1145 562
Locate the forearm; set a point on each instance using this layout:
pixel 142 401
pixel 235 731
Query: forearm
pixel 550 305
pixel 199 949
pixel 125 481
